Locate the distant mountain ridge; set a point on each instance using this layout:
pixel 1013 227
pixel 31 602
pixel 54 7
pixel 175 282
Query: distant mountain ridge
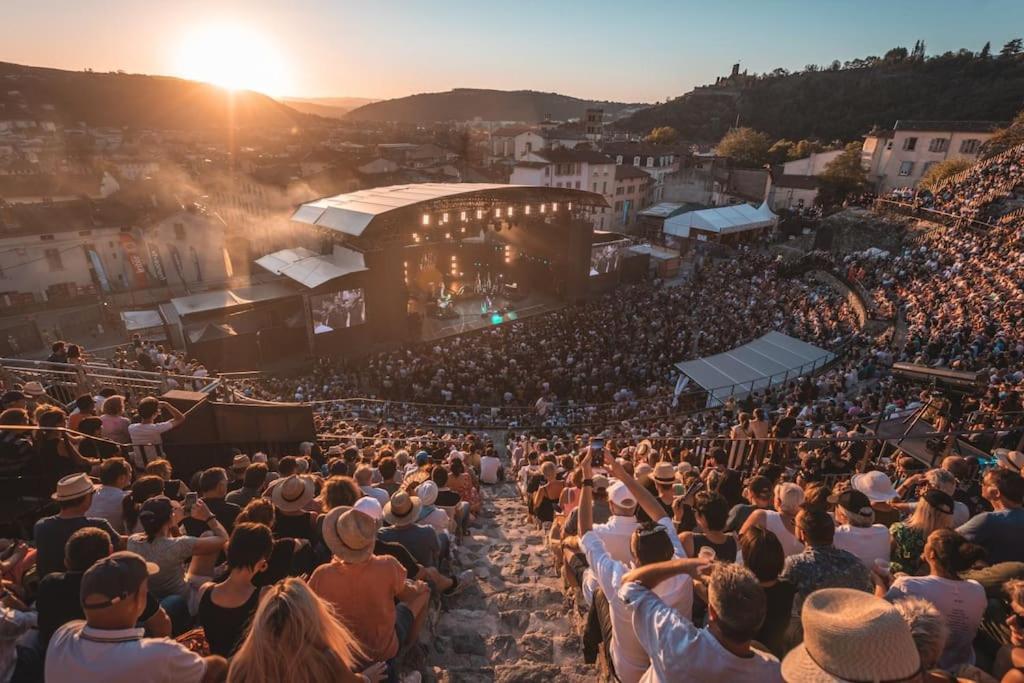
pixel 462 104
pixel 330 107
pixel 845 102
pixel 134 100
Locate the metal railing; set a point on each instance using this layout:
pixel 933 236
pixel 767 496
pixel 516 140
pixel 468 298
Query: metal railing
pixel 65 381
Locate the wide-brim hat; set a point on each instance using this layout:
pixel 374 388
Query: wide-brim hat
pixel 427 492
pixel 664 472
pixel 33 389
pixel 875 485
pixel 74 486
pixel 292 493
pixel 851 636
pixel 349 533
pixel 402 509
pixel 240 462
pixel 1011 460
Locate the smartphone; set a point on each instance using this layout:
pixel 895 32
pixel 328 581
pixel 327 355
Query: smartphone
pixel 191 498
pixel 597 453
pixel 694 487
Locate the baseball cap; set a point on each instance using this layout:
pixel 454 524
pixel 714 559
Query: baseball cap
pixel 370 507
pixel 114 578
pixel 620 495
pixel 853 501
pixel 600 481
pixel 422 458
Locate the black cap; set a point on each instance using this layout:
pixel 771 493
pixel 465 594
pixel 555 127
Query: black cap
pixel 940 500
pixel 853 501
pixel 11 397
pixel 113 579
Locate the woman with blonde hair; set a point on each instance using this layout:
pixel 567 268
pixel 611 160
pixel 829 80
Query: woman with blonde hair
pixel 789 500
pixel 295 637
pixel 115 424
pixel 934 511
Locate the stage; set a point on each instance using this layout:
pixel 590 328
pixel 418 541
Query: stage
pixel 470 315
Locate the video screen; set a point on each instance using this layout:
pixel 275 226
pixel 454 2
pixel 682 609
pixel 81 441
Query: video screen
pixel 605 258
pixel 338 310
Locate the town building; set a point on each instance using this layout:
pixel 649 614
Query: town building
pixel 575 169
pixel 899 157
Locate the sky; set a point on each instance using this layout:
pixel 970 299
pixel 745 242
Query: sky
pixel 624 50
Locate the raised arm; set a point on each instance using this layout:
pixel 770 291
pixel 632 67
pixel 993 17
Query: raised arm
pixel 756 518
pixel 650 575
pixel 644 498
pixel 586 511
pixel 177 417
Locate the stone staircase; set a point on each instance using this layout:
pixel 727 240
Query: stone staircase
pixel 518 624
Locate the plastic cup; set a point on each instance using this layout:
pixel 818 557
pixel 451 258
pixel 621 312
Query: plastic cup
pixel 707 553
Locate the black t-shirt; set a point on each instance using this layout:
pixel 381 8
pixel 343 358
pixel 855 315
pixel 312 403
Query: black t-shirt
pixel 51 535
pixel 296 526
pixel 224 511
pixel 447 499
pixel 16 453
pixel 58 603
pixel 779 600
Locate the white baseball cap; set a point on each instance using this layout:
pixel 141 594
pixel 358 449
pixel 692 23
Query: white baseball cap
pixel 620 495
pixel 369 506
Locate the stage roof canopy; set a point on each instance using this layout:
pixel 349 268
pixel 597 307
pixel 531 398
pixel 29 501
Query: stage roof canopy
pixel 311 269
pixel 772 359
pixel 723 220
pixel 359 212
pixel 224 299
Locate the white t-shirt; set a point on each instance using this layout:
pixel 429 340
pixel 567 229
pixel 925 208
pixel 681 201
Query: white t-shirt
pixel 791 545
pixel 628 655
pixel 149 437
pixel 489 466
pixel 78 653
pixel 961 602
pixel 867 543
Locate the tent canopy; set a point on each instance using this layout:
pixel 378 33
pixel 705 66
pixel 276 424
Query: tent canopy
pixel 724 220
pixel 141 320
pixel 769 360
pixel 311 269
pixel 224 299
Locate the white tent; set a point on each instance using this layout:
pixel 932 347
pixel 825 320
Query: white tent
pixel 772 359
pixel 724 220
pixel 311 269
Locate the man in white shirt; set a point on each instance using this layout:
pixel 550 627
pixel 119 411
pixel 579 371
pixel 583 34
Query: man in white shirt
pixel 115 476
pixel 147 435
pixel 108 647
pixel 617 533
pixel 650 544
pixel 856 533
pixel 679 651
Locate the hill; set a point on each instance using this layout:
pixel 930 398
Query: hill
pixel 844 103
pixel 133 100
pixel 463 104
pixel 329 107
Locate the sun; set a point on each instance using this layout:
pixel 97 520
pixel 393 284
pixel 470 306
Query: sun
pixel 234 57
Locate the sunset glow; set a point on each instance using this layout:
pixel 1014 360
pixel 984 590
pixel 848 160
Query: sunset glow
pixel 233 57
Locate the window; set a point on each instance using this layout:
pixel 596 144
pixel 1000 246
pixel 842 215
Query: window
pixel 547 171
pixel 927 165
pixel 618 190
pixel 906 168
pixel 618 159
pixel 970 146
pixel 54 260
pixel 650 161
pixel 636 161
pixel 618 207
pixel 179 231
pixel 604 187
pixel 577 184
pixel 595 187
pixel 938 145
pixel 888 145
pixel 909 144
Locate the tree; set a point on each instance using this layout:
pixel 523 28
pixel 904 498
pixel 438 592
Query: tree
pixel 1005 138
pixel 986 52
pixel 938 173
pixel 1011 49
pixel 780 151
pixel 897 54
pixel 843 177
pixel 804 149
pixel 745 147
pixel 663 135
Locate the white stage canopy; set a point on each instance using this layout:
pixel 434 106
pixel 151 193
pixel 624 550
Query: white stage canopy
pixel 772 359
pixel 311 269
pixel 723 220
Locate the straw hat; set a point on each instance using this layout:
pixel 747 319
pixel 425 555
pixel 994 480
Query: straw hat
pixel 33 389
pixel 74 486
pixel 292 493
pixel 1010 460
pixel 851 636
pixel 402 509
pixel 349 533
pixel 875 485
pixel 664 472
pixel 240 462
pixel 334 450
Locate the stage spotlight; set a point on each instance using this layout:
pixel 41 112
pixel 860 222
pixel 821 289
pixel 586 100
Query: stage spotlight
pixel 497 213
pixel 426 219
pixel 479 213
pixel 527 210
pixel 554 206
pixel 569 206
pixel 416 237
pixel 496 319
pixel 509 214
pixel 462 216
pixel 444 217
pixel 543 208
pixel 447 235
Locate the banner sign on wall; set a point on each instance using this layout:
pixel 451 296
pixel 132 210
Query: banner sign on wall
pixel 135 264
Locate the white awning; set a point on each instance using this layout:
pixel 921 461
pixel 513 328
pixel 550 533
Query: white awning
pixel 772 359
pixel 723 220
pixel 141 320
pixel 223 299
pixel 311 269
